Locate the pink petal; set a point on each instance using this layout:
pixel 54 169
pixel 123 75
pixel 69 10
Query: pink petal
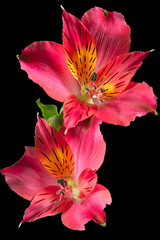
pixel 87 144
pixel 110 32
pixel 86 182
pixel 75 111
pixel 116 75
pixel 28 176
pixel 53 151
pixel 80 48
pixel 136 100
pixel 45 64
pixel 90 208
pixel 46 203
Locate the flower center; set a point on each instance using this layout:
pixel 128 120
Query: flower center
pixel 90 93
pixel 68 190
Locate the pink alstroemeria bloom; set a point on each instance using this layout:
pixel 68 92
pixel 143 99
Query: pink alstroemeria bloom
pixel 91 72
pixel 59 175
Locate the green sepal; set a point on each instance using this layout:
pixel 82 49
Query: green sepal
pixel 51 115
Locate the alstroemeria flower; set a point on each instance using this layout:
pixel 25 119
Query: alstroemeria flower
pixel 59 175
pixel 91 72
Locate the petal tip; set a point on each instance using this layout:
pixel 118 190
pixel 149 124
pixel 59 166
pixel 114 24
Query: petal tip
pixel 23 57
pixel 105 13
pixel 20 224
pixel 65 132
pixel 20 57
pixel 62 7
pixel 156 113
pixel 38 117
pixel 103 224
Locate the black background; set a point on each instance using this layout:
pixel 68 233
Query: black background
pixel 130 170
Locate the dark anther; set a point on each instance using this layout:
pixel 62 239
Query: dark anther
pixel 94 77
pixel 87 89
pixel 103 90
pixel 94 87
pixel 101 100
pixel 62 182
pixel 74 200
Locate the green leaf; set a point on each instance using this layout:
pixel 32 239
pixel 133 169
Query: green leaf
pixel 61 117
pixel 54 122
pixel 48 110
pixel 51 115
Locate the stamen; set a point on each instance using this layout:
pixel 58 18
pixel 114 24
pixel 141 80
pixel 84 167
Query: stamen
pixel 94 87
pixel 101 100
pixel 102 90
pixel 87 89
pixel 59 192
pixel 62 182
pixel 94 77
